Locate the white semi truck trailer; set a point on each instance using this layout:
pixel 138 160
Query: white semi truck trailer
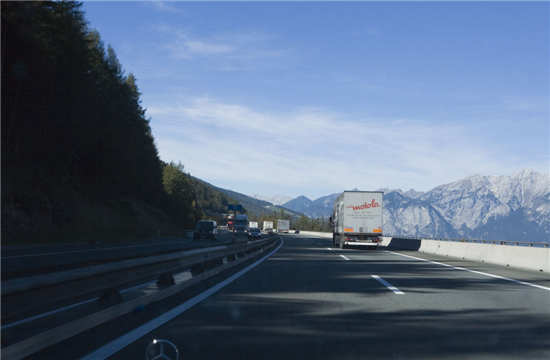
pixel 357 219
pixel 283 226
pixel 268 225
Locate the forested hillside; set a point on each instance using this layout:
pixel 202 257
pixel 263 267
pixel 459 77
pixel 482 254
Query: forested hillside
pixel 79 160
pixel 260 211
pixel 213 202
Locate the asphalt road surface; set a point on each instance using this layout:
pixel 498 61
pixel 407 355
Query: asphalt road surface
pixel 311 300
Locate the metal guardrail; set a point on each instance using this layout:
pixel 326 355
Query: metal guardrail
pixel 27 295
pixel 477 241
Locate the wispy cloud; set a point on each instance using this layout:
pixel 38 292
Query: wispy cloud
pixel 237 45
pixel 165 6
pixel 211 76
pixel 366 31
pixel 314 146
pixel 189 48
pixel 526 104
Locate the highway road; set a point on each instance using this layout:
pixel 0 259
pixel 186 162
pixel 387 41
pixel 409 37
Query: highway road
pixel 311 300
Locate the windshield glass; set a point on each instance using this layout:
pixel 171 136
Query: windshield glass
pixel 375 136
pixel 205 225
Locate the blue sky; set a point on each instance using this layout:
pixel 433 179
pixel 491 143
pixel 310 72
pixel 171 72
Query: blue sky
pixel 312 98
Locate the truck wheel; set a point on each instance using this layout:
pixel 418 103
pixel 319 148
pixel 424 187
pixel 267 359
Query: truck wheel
pixel 342 246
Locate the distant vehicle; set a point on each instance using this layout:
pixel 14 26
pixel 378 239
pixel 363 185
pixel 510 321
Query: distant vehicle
pixel 254 232
pixel 229 220
pixel 297 232
pixel 268 225
pixel 357 219
pixel 253 224
pixel 283 226
pixel 241 224
pixel 206 229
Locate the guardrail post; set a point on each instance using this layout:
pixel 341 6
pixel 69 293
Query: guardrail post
pixel 110 296
pixel 231 258
pixel 212 263
pixel 166 279
pixel 197 268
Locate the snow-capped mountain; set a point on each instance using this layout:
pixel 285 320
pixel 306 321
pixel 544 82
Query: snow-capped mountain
pixel 322 207
pixel 410 217
pixel 496 207
pixel 515 207
pixel 274 199
pixel 411 194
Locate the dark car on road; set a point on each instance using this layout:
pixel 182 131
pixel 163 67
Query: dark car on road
pixel 206 229
pixel 254 233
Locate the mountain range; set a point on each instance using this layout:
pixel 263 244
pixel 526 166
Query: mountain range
pixel 254 205
pixel 274 199
pixel 515 207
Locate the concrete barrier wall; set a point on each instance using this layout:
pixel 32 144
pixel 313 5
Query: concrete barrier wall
pixel 531 258
pixel 429 247
pixel 406 244
pixel 385 240
pixel 313 233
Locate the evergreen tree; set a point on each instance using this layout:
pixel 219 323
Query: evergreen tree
pixel 73 122
pixel 180 187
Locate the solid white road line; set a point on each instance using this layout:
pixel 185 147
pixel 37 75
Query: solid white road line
pixel 135 334
pixel 473 271
pixel 32 318
pixel 388 285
